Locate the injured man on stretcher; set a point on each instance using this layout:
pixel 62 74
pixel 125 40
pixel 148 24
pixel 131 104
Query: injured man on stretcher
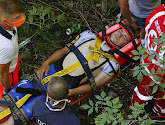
pixel 69 63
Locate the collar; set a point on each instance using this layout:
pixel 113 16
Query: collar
pixel 6 34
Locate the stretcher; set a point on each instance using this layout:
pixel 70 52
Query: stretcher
pixel 124 63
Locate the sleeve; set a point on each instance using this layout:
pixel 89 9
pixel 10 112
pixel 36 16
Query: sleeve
pixel 6 52
pixel 33 107
pixel 108 69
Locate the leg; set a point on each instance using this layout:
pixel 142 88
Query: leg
pixel 143 92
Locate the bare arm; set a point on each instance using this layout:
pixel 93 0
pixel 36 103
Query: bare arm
pixel 124 7
pixel 53 58
pixel 100 79
pixel 5 75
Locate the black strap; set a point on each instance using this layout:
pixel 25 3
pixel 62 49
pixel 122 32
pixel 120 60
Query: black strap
pixel 103 33
pixel 5 103
pixel 6 34
pixel 32 91
pixel 19 118
pixel 40 89
pixel 35 81
pixel 112 67
pixel 84 64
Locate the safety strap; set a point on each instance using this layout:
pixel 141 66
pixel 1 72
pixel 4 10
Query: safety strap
pixel 107 56
pixel 19 104
pixel 5 103
pixel 84 64
pixel 33 79
pixel 6 34
pixel 18 117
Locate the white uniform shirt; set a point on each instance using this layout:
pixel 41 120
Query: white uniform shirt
pixel 143 8
pixel 9 50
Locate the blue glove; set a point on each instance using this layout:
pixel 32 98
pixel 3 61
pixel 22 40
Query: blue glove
pixel 143 42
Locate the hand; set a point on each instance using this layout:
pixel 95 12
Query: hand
pixel 131 23
pixel 43 69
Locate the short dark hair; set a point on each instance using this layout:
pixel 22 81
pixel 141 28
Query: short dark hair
pixel 57 88
pixel 10 6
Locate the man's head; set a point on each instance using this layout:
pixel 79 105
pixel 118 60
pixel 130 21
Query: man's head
pixel 117 39
pixel 120 37
pixel 57 88
pixel 11 13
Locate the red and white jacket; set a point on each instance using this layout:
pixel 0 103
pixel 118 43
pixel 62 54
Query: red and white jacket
pixel 155 26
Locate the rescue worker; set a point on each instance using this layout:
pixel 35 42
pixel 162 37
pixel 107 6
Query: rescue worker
pixel 10 18
pixel 55 111
pixel 143 91
pixel 64 63
pixel 138 10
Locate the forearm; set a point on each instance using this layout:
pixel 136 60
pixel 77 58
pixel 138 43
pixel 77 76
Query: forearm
pixel 83 89
pixel 56 55
pixel 124 7
pixel 5 79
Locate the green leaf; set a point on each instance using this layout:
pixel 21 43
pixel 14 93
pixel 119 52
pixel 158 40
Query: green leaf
pixel 109 103
pixel 163 97
pixel 137 104
pixel 144 72
pixel 143 123
pixel 142 111
pixel 155 89
pixel 157 78
pixel 119 115
pixel 133 108
pixel 96 109
pixel 136 57
pixel 90 111
pixel 139 48
pixel 140 77
pixel 85 106
pixel 162 85
pixel 115 101
pixel 150 121
pixel 115 110
pixel 151 57
pixel 135 52
pixel 107 98
pixel 90 102
pixel 107 109
pixel 136 68
pixel 129 116
pixel 103 94
pixel 140 119
pixel 153 71
pixel 98 97
pixel 142 50
pixel 99 102
pixel 144 56
pixel 30 18
pixel 115 123
pixel 136 73
pixel 117 106
pixel 156 40
pixel 162 49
